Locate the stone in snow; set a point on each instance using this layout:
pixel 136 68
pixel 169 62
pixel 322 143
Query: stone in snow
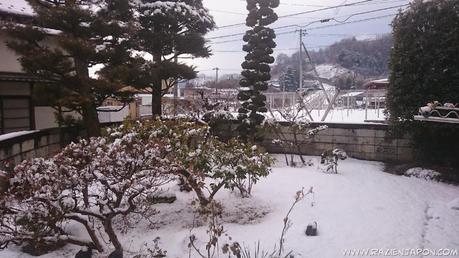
pixel 84 253
pixel 311 229
pixel 116 254
pixel 454 204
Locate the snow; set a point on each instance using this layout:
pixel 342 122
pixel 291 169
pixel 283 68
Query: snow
pixel 353 116
pixel 16 6
pixel 366 37
pixel 329 71
pixel 361 207
pixel 164 8
pixel 15 134
pixel 381 81
pixel 352 94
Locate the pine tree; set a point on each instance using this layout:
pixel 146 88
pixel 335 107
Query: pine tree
pixel 425 68
pixel 169 30
pixel 256 74
pixel 289 80
pixel 68 37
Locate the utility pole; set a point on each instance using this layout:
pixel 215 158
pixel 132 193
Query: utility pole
pixel 216 79
pixel 301 60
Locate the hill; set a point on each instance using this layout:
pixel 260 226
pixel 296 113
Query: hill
pixel 367 58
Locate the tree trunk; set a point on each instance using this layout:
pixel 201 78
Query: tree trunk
pixel 111 234
pixel 156 108
pixel 203 200
pixel 91 232
pixel 90 117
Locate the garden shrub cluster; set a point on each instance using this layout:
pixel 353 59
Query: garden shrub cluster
pixel 94 182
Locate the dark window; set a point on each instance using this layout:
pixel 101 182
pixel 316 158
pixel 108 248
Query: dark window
pixel 15 114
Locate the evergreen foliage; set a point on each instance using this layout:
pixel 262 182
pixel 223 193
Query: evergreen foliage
pixel 259 47
pixel 289 80
pixel 168 30
pixel 366 58
pixel 64 40
pixel 424 69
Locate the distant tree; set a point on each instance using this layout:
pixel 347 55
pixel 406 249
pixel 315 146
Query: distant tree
pixel 169 30
pixel 424 69
pixel 368 58
pixel 67 38
pixel 256 74
pixel 289 80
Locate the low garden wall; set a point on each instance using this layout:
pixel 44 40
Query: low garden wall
pixel 42 143
pixel 360 141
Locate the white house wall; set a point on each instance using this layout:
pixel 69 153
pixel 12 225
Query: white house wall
pixel 9 62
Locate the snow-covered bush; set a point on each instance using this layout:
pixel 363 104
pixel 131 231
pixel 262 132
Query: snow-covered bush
pixel 300 132
pixel 426 174
pixel 200 159
pixel 330 159
pixel 89 184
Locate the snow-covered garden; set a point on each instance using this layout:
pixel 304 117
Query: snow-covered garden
pixel 121 191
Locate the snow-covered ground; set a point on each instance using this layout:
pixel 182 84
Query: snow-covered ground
pixel 339 115
pixel 359 208
pixel 329 71
pixel 349 115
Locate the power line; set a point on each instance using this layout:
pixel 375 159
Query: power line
pixel 306 12
pixel 228 12
pixel 351 22
pixel 295 4
pixel 317 21
pixel 316 28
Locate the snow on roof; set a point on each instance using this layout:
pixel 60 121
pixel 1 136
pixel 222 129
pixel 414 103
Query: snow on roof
pixel 381 81
pixel 366 37
pixel 329 71
pixel 352 94
pixel 16 7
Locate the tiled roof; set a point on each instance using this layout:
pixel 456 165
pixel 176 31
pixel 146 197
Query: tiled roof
pixel 19 77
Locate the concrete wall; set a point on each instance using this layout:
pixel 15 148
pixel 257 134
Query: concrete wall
pixel 360 141
pixel 44 143
pixel 9 61
pixel 110 117
pixel 45 117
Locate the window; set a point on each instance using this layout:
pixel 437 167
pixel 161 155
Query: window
pixel 15 114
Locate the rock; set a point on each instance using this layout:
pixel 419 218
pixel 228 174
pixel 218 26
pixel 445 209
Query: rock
pixel 454 204
pixel 311 229
pixel 38 249
pixel 116 254
pixel 162 199
pixel 84 253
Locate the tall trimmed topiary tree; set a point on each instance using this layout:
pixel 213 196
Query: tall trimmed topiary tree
pixel 424 68
pixel 256 74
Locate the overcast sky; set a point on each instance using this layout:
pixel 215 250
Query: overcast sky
pixel 228 56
